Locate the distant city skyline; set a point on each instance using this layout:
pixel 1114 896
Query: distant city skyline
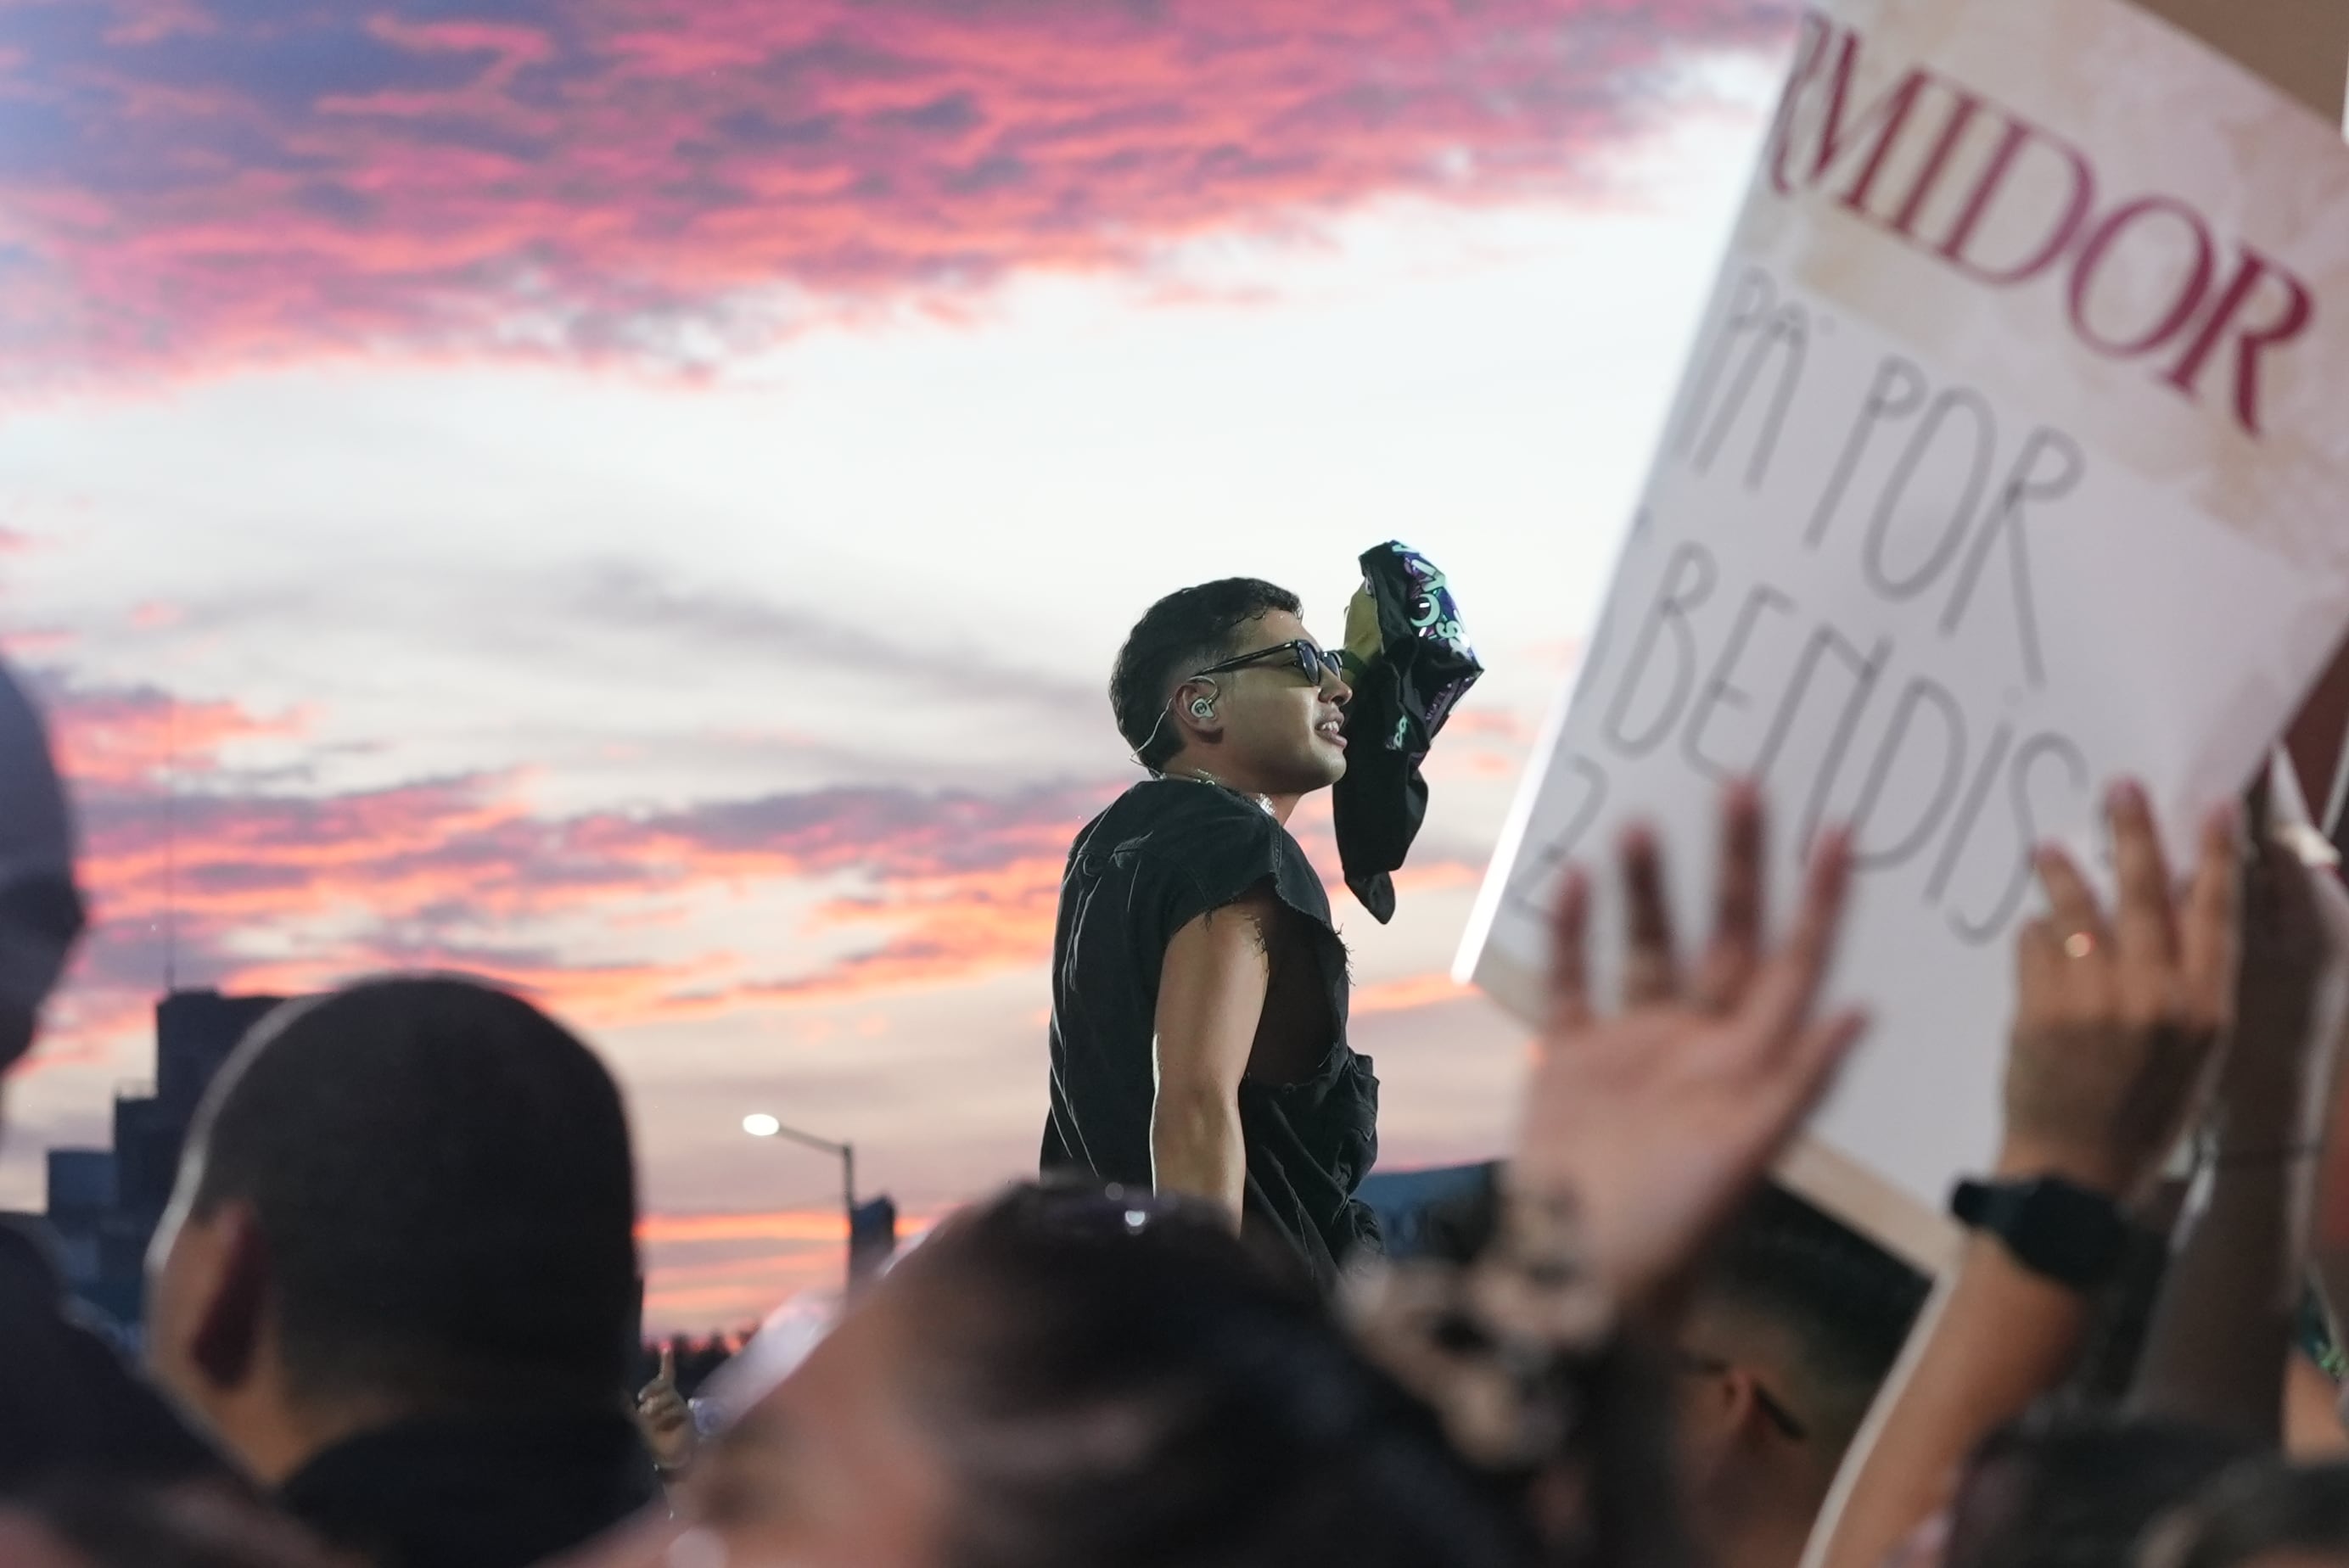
pixel 638 500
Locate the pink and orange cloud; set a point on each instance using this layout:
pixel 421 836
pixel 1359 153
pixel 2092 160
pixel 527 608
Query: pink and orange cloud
pixel 195 183
pixel 256 886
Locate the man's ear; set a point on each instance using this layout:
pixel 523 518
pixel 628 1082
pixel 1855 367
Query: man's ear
pixel 1196 708
pixel 234 1300
pixel 1740 1410
pixel 1720 1417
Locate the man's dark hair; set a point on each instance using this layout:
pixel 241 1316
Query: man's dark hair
pixel 2266 1507
pixel 1846 1304
pixel 2062 1488
pixel 1118 1380
pixel 441 1177
pixel 1185 631
pixel 110 1525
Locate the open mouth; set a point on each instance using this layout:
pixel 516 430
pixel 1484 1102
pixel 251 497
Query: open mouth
pixel 1334 731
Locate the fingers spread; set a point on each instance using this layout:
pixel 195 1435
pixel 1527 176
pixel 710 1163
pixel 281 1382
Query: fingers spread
pixel 1570 977
pixel 2212 912
pixel 1650 973
pixel 1736 946
pixel 2143 932
pixel 1783 994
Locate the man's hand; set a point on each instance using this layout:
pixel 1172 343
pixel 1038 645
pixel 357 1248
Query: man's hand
pixel 1657 1121
pixel 665 1419
pixel 2116 1020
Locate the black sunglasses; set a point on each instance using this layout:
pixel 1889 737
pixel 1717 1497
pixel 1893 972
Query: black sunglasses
pixel 1310 659
pixel 1772 1409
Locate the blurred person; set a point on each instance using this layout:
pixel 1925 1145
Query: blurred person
pixel 1645 1129
pixel 1092 1378
pixel 2118 1013
pixel 2080 1490
pixel 1198 1024
pixel 67 1404
pixel 1109 1379
pixel 1792 1327
pixel 2260 1516
pixel 80 1524
pixel 398 1277
pixel 2232 1309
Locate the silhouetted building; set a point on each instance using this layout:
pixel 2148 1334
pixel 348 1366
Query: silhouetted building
pixel 105 1203
pixel 872 1239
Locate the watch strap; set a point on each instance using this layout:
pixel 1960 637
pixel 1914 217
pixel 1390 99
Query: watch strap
pixel 2059 1230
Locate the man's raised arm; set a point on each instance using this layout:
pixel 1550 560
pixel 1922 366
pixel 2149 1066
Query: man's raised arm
pixel 1211 987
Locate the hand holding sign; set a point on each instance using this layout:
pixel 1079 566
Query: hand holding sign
pixel 2117 1019
pixel 1658 1118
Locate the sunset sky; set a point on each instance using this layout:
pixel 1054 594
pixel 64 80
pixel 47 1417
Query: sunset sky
pixel 637 499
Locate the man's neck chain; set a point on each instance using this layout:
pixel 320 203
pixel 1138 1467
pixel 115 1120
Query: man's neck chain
pixel 1204 777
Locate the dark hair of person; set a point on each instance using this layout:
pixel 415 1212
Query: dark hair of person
pixel 2061 1489
pixel 45 908
pixel 110 1525
pixel 1185 631
pixel 1118 1381
pixel 1846 1304
pixel 441 1177
pixel 2259 1509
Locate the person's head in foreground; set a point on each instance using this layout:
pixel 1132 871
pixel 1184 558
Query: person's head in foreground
pixel 401 1246
pixel 1064 1379
pixel 2057 1491
pixel 68 1405
pixel 1794 1324
pixel 2260 1515
pixel 1223 681
pixel 86 1525
pixel 40 911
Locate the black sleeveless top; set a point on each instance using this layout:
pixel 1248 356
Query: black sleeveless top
pixel 1166 853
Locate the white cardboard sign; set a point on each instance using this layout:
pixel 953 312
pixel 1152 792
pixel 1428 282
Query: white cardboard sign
pixel 2012 456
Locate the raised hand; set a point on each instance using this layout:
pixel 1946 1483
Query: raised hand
pixel 2275 1066
pixel 1655 1120
pixel 664 1417
pixel 2116 1020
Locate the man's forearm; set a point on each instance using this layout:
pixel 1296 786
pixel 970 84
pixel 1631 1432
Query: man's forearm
pixel 1995 1339
pixel 1195 1146
pixel 2223 1328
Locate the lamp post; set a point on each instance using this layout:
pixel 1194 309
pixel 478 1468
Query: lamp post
pixel 759 1124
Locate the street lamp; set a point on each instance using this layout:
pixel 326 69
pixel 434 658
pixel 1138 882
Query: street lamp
pixel 759 1124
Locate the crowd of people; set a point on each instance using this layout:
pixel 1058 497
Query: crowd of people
pixel 392 1312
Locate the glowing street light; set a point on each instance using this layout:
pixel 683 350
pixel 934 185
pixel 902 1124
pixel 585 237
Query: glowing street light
pixel 759 1124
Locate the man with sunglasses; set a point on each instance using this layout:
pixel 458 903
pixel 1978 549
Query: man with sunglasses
pixel 1199 988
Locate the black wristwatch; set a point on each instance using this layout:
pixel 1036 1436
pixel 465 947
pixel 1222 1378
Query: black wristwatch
pixel 2069 1234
